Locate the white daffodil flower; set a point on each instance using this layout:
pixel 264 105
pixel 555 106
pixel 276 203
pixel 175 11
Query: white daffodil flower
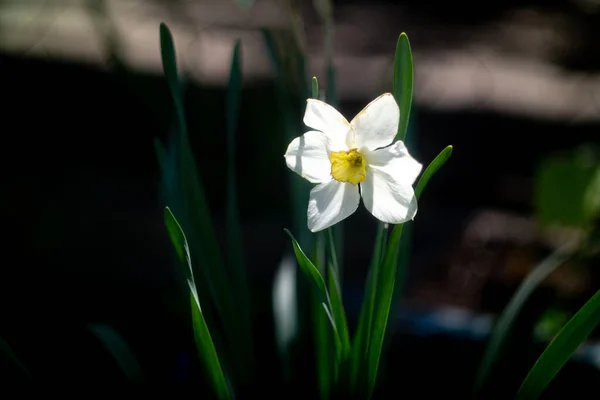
pixel 353 160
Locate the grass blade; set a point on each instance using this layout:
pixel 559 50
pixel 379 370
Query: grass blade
pixel 6 349
pixel 360 344
pixel 431 169
pixel 119 349
pixel 188 198
pixel 387 277
pixel 204 342
pixel 335 291
pixel 323 336
pixel 503 326
pixel 561 348
pixel 318 284
pixel 383 301
pixel 403 82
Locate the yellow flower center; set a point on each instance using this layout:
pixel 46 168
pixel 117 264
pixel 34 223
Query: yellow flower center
pixel 348 166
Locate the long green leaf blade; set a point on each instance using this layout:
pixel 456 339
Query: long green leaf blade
pixel 431 169
pixel 192 207
pixel 335 291
pixel 503 326
pixel 206 349
pixel 338 312
pixel 403 82
pixel 561 348
pixel 362 337
pixel 318 284
pixel 383 302
pixel 119 349
pixel 387 277
pixel 323 334
pixel 204 342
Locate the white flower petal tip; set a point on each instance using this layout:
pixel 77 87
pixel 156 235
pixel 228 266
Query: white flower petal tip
pixel 325 118
pixel 331 203
pixel 376 125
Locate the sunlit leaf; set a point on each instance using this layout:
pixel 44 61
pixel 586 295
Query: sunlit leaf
pixel 362 338
pixel 204 343
pixel 503 326
pixel 431 169
pixel 386 278
pixel 383 302
pixel 560 349
pixel 318 284
pixel 403 82
pixel 187 197
pixel 323 334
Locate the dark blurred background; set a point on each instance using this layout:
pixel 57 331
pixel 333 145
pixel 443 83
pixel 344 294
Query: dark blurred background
pixel 506 83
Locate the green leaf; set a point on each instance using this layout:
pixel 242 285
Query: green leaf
pixel 503 326
pixel 119 349
pixel 385 280
pixel 318 284
pixel 383 302
pixel 403 82
pixel 360 345
pixel 187 197
pixel 206 349
pixel 323 334
pixel 335 290
pixel 6 349
pixel 169 63
pixel 315 88
pixel 560 349
pixel 235 257
pixel 204 343
pixel 180 244
pixel 431 169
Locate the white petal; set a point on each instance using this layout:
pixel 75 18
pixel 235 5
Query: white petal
pixel 323 117
pixel 395 161
pixel 307 156
pixel 376 125
pixel 389 200
pixel 330 203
